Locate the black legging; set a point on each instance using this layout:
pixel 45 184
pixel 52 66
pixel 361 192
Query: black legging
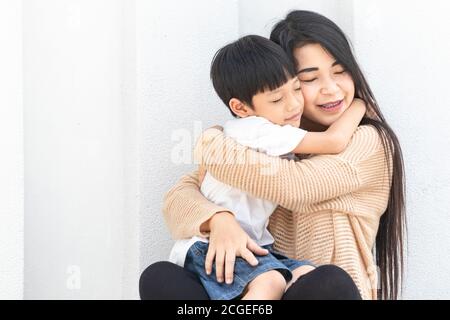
pixel 167 281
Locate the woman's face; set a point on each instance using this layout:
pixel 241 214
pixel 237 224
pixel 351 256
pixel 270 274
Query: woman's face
pixel 327 88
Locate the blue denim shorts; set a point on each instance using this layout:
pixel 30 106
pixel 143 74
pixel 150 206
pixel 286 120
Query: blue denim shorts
pixel 244 273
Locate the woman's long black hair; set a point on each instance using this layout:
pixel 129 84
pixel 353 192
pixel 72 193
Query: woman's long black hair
pixel 304 27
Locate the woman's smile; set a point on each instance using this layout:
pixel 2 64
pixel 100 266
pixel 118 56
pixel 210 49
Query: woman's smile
pixel 335 106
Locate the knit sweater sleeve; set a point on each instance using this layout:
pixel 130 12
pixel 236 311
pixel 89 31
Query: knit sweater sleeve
pixel 185 208
pixel 291 184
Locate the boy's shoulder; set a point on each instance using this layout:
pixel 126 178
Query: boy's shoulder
pixel 249 126
pixel 249 121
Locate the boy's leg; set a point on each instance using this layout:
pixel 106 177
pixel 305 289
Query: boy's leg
pixel 267 286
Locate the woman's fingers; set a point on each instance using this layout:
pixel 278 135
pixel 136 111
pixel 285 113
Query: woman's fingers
pixel 249 252
pixel 255 248
pixel 228 240
pixel 220 261
pixel 210 259
pixel 230 259
pixel 225 259
pixel 249 257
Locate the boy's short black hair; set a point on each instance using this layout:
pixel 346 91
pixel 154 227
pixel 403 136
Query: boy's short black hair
pixel 248 66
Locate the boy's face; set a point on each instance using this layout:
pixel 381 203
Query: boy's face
pixel 281 106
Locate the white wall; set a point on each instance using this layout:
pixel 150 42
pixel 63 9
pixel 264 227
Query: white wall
pixel 75 97
pixel 175 45
pixel 404 48
pixel 113 88
pixel 259 16
pixel 11 152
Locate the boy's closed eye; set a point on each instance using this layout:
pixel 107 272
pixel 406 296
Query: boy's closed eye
pixel 277 100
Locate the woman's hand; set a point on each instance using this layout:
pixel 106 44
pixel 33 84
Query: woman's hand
pixel 226 242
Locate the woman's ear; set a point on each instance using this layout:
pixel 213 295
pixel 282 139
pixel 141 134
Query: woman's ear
pixel 240 109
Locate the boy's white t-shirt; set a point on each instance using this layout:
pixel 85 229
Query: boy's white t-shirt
pixel 251 213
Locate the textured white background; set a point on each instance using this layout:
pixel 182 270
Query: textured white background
pixel 11 152
pixel 111 89
pixel 403 47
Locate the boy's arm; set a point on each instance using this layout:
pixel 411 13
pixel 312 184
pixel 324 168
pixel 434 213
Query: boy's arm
pixel 336 138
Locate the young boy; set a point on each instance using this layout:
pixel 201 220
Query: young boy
pixel 257 82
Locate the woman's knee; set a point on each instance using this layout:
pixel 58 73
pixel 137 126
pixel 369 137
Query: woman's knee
pixel 167 281
pixel 156 271
pixel 151 278
pixel 340 283
pixel 327 282
pixel 156 268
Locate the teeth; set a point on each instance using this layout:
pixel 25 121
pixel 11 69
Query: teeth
pixel 332 105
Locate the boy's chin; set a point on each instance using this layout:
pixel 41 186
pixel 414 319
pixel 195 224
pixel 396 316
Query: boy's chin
pixel 295 124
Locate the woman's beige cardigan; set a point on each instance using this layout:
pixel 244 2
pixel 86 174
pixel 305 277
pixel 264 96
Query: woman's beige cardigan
pixel 329 205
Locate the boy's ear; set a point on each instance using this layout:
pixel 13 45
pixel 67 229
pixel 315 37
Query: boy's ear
pixel 240 109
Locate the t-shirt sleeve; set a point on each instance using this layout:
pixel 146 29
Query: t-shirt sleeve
pixel 276 140
pixel 264 136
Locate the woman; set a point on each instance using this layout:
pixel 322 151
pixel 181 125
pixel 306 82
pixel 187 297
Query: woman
pixel 334 210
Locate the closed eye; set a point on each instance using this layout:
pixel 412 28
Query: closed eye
pixel 341 72
pixel 308 81
pixel 276 101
